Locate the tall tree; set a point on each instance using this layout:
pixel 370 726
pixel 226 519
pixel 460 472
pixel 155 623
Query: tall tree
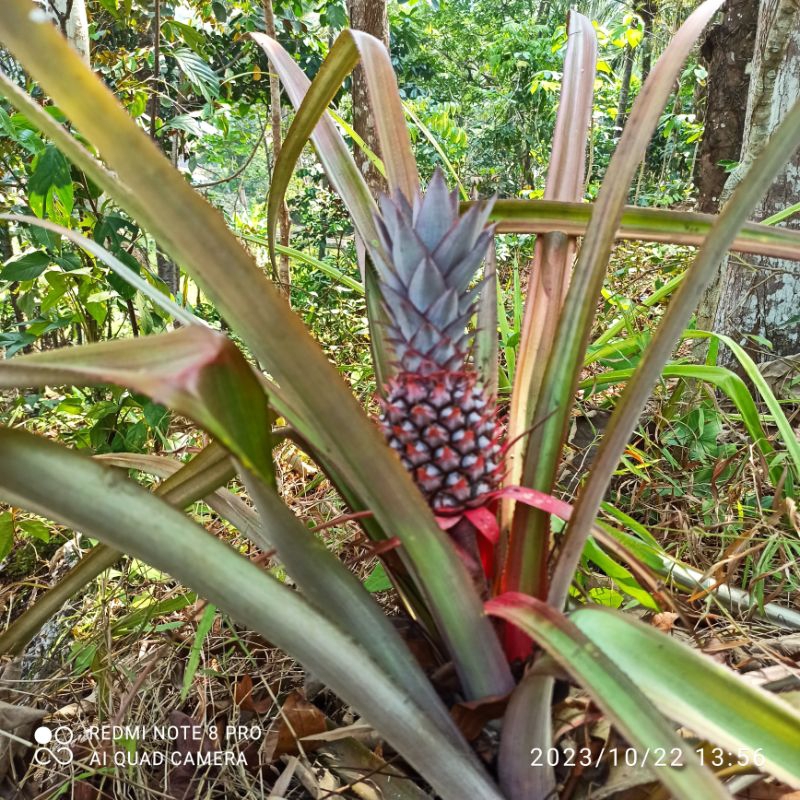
pixel 647 10
pixel 74 24
pixel 759 298
pixel 284 276
pixel 371 17
pixel 168 271
pixel 644 10
pixel 624 90
pixel 728 51
pixel 7 252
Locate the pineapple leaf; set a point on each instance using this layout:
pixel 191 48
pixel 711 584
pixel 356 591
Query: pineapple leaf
pixel 426 285
pixel 547 287
pixel 194 370
pixel 552 262
pixel 622 700
pixel 436 212
pixel 562 372
pixel 43 477
pixel 784 142
pixel 207 471
pixel 311 100
pixel 317 401
pixel 640 224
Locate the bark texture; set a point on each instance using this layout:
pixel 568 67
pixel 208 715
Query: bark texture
pixel 168 272
pixel 72 19
pixel 624 92
pixel 647 10
pixel 727 51
pixel 760 297
pixel 371 17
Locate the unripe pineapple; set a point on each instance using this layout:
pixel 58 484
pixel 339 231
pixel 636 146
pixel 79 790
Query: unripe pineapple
pixel 435 412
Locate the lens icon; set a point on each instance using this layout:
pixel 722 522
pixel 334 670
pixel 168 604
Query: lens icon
pixel 43 735
pixel 63 735
pixel 58 751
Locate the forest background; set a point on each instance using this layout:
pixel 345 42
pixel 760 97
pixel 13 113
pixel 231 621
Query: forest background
pixel 480 84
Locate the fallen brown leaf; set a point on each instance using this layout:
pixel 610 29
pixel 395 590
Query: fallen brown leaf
pixel 471 717
pixel 243 697
pixel 769 790
pixel 665 621
pixel 298 719
pixel 192 738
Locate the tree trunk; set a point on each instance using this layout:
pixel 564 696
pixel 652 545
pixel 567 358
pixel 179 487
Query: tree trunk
pixel 154 97
pixel 71 18
pixel 6 252
pixel 728 51
pixel 759 298
pixel 284 276
pixel 543 12
pixel 168 272
pixel 624 91
pixel 369 16
pixel 647 10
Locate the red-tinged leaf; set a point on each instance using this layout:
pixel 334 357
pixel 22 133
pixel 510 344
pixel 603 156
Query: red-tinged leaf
pixel 384 547
pixel 311 101
pixel 536 499
pixel 759 177
pixel 194 370
pixel 550 418
pixel 488 555
pixel 485 522
pixel 311 121
pixel 339 165
pixel 388 114
pixel 447 522
pixel 550 274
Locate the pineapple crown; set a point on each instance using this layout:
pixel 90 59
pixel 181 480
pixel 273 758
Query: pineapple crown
pixel 430 256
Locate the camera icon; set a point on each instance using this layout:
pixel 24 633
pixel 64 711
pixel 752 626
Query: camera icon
pixel 54 746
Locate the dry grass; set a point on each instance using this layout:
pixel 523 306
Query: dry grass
pixel 118 666
pixel 115 666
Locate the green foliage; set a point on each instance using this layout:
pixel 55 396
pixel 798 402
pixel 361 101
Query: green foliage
pixel 50 180
pixel 331 624
pixel 6 534
pixel 203 628
pixel 498 127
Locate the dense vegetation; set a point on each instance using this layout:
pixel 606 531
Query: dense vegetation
pixel 697 532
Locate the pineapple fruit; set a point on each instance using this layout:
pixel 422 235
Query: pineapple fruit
pixel 435 413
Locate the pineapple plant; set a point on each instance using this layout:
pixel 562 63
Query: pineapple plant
pixel 425 256
pixel 435 413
